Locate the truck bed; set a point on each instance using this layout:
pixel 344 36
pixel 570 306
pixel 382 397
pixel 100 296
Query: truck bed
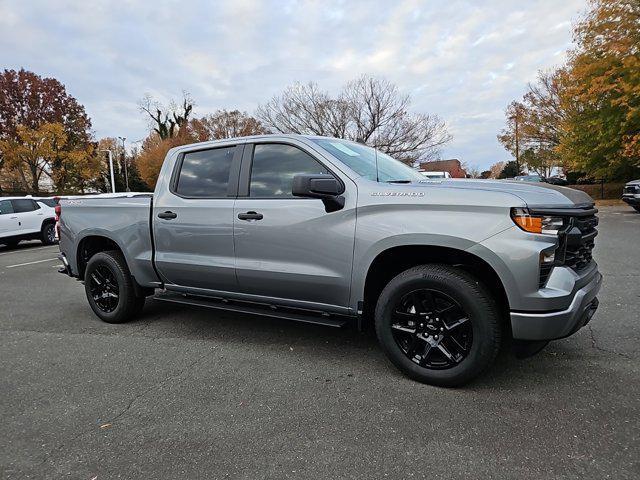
pixel 123 218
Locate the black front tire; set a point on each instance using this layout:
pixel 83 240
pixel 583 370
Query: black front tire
pixel 470 297
pixel 128 305
pixel 48 234
pixel 637 209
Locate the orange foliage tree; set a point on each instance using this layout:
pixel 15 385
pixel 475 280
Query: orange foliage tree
pixel 36 153
pixel 601 133
pixel 585 116
pixel 220 124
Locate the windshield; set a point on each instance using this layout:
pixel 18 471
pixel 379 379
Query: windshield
pixel 362 160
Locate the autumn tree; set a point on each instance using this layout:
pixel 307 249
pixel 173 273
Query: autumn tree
pixel 43 152
pixel 76 170
pixel 534 125
pixel 585 116
pixel 226 124
pixel 32 109
pixel 496 169
pixel 30 100
pixel 368 109
pixel 218 125
pixel 602 98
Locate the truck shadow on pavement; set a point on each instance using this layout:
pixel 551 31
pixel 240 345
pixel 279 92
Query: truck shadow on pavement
pixel 346 346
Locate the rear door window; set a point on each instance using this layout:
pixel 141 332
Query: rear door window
pixel 205 173
pixel 24 205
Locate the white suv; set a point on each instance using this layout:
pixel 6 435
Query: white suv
pixel 26 219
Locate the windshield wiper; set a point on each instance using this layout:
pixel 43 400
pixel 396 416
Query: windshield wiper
pixel 399 181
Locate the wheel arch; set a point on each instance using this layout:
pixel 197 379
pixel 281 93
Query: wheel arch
pixel 390 262
pixel 46 221
pixel 89 245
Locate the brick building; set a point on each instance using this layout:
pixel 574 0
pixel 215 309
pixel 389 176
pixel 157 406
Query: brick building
pixel 453 166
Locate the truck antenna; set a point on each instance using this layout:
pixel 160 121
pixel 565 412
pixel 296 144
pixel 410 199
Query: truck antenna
pixel 375 150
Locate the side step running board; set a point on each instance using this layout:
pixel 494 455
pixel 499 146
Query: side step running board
pixel 298 315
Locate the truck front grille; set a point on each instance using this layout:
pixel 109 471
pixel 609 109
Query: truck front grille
pixel 632 189
pixel 579 241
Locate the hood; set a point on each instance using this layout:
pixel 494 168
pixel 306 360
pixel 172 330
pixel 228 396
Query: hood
pixel 634 182
pixel 533 194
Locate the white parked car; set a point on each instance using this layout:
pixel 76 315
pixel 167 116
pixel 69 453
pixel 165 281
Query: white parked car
pixel 435 175
pixel 24 218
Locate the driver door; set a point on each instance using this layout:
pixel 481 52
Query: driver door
pixel 289 249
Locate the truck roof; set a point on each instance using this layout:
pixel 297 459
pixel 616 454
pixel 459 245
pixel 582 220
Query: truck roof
pixel 275 136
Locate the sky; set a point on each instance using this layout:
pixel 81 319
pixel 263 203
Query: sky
pixel 462 60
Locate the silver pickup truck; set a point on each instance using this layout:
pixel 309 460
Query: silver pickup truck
pixel 323 230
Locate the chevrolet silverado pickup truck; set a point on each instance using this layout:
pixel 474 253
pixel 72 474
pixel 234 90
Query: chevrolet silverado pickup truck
pixel 328 231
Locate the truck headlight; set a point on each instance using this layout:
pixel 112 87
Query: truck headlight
pixel 544 224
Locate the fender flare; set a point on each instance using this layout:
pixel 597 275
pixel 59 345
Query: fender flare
pixel 363 264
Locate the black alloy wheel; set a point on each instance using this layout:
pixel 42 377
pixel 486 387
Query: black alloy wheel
pixel 110 288
pixel 104 288
pixel 50 233
pixel 438 324
pixel 432 329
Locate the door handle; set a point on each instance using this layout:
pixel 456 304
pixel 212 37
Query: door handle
pixel 167 215
pixel 250 216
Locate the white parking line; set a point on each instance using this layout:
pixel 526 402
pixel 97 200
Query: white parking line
pixel 25 250
pixel 31 263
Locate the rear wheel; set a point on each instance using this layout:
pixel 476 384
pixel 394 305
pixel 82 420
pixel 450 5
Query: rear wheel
pixel 438 325
pixel 110 289
pixel 48 234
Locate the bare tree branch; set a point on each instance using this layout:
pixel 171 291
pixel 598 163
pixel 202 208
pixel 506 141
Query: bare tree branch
pixel 368 109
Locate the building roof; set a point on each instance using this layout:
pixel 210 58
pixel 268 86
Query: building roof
pixel 440 165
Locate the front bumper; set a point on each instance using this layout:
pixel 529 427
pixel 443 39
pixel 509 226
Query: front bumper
pixel 558 324
pixel 633 200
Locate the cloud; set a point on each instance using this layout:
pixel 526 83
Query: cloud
pixel 462 60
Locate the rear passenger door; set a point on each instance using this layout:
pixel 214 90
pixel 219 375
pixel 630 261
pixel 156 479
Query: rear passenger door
pixel 289 248
pixel 193 220
pixel 30 215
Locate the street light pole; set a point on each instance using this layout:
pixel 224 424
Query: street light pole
pixel 113 183
pixel 517 146
pixel 124 162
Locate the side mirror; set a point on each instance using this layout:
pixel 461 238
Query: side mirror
pixel 325 187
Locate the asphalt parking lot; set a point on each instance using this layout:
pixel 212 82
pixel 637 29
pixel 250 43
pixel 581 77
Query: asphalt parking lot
pixel 194 393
